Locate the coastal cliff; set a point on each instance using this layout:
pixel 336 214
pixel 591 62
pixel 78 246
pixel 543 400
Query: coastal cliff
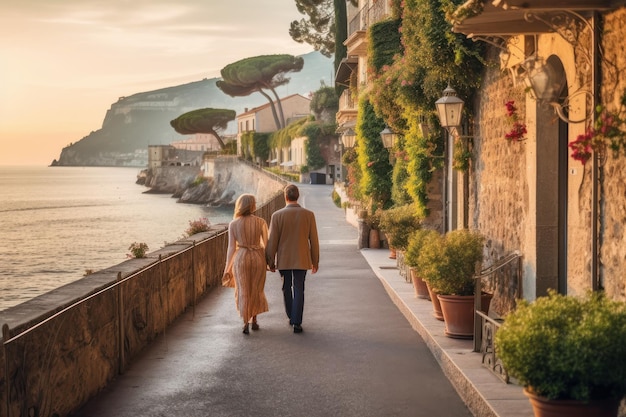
pixel 218 182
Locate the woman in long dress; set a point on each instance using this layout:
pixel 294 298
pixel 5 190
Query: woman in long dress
pixel 245 260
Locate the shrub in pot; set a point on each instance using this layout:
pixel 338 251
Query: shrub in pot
pixel 416 241
pixel 448 266
pixel 399 222
pixel 567 350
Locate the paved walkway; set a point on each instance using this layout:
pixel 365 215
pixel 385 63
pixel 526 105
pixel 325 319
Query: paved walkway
pixel 358 354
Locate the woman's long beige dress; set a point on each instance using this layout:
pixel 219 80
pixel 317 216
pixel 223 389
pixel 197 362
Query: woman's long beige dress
pixel 245 259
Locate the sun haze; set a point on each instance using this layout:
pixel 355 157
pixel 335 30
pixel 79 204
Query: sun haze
pixel 64 62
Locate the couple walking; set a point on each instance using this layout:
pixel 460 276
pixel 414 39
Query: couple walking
pixel 291 246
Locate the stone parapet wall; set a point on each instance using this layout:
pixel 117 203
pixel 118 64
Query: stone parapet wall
pixel 63 347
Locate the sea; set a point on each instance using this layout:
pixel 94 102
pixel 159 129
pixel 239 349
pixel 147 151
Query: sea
pixel 56 223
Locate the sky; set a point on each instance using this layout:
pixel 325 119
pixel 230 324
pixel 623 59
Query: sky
pixel 64 62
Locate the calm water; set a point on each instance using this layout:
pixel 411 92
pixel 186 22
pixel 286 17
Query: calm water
pixel 58 222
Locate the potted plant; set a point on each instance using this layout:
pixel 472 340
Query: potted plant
pixel 567 352
pixel 449 265
pixel 398 223
pixel 416 241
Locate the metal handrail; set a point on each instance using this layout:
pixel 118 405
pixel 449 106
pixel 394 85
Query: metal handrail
pixel 515 255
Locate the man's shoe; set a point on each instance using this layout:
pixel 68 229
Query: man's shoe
pixel 297 328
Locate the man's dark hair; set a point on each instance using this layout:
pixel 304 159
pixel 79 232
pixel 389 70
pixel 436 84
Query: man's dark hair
pixel 292 193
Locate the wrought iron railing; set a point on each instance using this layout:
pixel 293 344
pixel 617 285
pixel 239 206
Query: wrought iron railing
pixel 372 12
pixel 487 325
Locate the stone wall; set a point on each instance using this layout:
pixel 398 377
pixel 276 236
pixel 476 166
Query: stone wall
pixel 63 347
pixel 498 203
pixel 613 173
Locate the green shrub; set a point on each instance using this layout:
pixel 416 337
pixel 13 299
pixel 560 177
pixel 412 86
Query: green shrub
pixel 563 347
pixel 138 250
pixel 449 263
pixel 418 240
pixel 399 222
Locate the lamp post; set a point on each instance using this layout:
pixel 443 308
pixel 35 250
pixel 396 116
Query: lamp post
pixel 450 110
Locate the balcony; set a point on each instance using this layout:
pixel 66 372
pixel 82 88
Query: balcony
pixel 372 12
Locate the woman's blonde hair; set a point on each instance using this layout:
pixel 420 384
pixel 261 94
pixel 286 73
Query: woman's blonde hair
pixel 245 205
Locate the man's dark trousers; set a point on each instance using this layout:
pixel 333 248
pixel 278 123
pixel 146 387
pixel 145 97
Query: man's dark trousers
pixel 293 293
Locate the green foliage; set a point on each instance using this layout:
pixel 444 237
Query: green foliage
pixel 204 121
pixel 138 250
pixel 417 240
pixel 318 28
pixel 336 198
pixel 562 347
pixel 462 155
pixel 449 263
pixel 282 138
pixel 399 223
pixel 373 158
pixel 353 175
pixel 383 44
pixel 424 157
pixel 316 133
pixel 324 101
pixel 257 74
pixel 400 177
pixel 255 145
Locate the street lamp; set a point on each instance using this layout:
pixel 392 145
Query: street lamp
pixel 449 109
pixel 389 137
pixel 348 138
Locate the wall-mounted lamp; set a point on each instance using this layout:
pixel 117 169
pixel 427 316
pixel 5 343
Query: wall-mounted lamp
pixel 450 109
pixel 389 137
pixel 348 137
pixel 546 87
pixel 423 126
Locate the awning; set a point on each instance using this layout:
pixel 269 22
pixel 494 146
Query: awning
pixel 345 69
pixel 287 164
pixel 273 161
pixel 515 17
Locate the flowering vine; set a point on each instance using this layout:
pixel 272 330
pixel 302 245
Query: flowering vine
pixel 518 129
pixel 606 133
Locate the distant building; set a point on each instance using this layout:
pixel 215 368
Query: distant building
pixel 260 119
pixel 204 142
pixel 168 155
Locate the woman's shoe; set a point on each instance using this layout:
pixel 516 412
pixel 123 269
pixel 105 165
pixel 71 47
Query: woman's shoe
pixel 255 325
pixel 245 329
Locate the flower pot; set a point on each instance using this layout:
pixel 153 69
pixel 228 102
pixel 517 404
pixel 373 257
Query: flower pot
pixel 421 291
pixel 458 313
pixel 392 253
pixel 436 305
pixel 544 407
pixel 374 242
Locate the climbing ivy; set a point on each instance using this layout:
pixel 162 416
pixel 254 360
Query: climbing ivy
pixel 373 158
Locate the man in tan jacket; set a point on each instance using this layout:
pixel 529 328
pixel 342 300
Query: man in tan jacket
pixel 293 248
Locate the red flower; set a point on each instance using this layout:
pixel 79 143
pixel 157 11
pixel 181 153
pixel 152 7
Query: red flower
pixel 518 129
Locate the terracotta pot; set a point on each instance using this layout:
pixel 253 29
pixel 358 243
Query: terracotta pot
pixel 374 239
pixel 571 408
pixel 458 313
pixel 436 305
pixel 421 291
pixel 392 253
